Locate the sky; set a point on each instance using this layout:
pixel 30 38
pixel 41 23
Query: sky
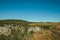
pixel 30 10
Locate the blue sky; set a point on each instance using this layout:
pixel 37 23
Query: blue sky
pixel 31 10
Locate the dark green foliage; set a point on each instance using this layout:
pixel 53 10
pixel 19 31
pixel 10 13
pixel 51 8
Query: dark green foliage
pixel 4 37
pixel 46 27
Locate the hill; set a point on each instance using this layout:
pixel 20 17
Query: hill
pixel 12 21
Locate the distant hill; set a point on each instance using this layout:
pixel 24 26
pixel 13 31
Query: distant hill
pixel 12 21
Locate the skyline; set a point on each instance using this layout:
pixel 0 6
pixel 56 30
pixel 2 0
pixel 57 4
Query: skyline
pixel 31 10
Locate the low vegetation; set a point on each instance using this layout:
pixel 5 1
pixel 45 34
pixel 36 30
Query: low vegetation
pixel 24 30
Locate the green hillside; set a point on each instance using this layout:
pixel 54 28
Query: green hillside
pixel 12 21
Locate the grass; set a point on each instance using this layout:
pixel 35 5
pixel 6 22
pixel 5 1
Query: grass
pixel 21 32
